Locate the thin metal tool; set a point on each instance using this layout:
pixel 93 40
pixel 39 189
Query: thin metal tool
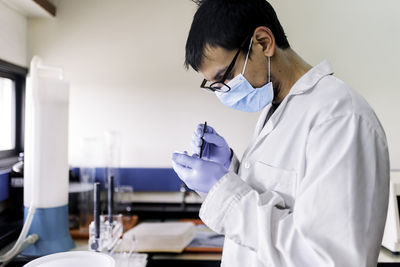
pixel 202 143
pixel 110 199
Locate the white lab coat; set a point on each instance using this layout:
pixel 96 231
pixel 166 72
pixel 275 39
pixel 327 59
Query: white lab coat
pixel 312 187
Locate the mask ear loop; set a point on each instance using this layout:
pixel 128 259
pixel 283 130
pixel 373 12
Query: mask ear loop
pixel 269 69
pixel 247 56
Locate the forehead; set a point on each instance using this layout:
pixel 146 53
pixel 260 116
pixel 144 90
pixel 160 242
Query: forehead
pixel 214 60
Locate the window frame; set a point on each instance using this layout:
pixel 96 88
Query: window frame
pixel 18 75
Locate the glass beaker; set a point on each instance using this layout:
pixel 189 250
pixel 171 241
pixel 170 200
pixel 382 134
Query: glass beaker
pixel 81 201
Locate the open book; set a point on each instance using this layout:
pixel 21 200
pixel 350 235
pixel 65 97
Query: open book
pixel 161 237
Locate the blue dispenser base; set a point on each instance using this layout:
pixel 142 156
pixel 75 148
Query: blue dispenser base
pixel 51 225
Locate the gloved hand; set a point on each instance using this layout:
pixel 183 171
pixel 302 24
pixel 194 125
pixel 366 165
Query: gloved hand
pixel 198 174
pixel 215 147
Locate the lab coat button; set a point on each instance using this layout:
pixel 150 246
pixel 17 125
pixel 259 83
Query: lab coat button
pixel 247 164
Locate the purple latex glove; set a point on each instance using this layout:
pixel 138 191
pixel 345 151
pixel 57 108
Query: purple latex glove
pixel 198 174
pixel 215 147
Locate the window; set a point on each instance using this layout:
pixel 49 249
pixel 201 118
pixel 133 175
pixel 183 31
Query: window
pixel 7 114
pixel 12 90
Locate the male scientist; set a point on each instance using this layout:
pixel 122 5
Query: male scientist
pixel 312 186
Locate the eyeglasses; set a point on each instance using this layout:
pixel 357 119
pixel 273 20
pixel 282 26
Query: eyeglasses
pixel 221 86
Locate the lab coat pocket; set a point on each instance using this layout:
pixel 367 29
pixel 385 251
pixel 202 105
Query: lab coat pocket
pixel 282 181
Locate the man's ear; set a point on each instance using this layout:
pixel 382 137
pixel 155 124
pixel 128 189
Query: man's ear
pixel 264 37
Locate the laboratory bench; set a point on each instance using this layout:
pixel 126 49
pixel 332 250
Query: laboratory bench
pixel 386 259
pixel 154 259
pixel 169 206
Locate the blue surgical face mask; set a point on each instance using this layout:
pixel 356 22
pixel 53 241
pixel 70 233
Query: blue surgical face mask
pixel 243 96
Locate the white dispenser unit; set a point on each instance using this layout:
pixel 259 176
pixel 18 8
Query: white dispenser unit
pixel 46 158
pixel 391 236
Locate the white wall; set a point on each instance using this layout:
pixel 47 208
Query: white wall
pixel 124 60
pixel 361 39
pixel 13 36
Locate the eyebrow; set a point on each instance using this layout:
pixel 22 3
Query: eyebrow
pixel 219 73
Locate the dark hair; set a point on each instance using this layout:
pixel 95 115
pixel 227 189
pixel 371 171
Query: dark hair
pixel 227 23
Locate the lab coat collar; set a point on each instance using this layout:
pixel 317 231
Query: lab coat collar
pixel 302 85
pixel 311 78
